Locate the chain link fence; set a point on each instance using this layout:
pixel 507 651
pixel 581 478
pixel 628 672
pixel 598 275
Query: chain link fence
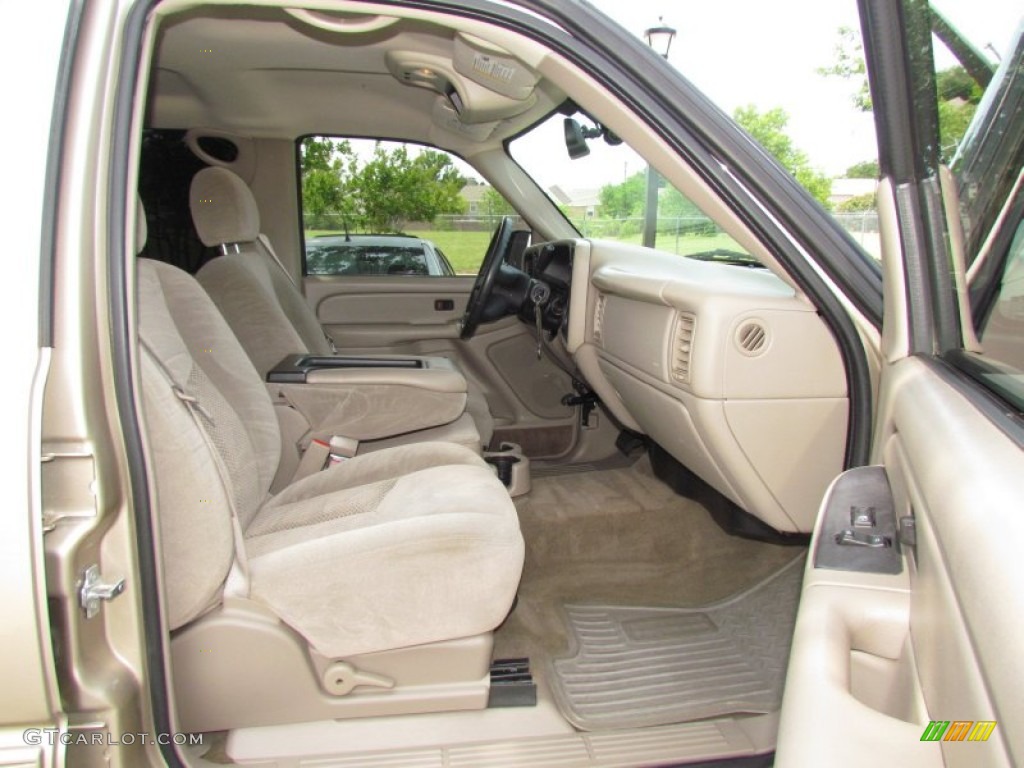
pixel 863 226
pixel 336 223
pixel 678 234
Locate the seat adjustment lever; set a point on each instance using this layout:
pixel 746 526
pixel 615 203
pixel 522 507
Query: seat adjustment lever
pixel 341 677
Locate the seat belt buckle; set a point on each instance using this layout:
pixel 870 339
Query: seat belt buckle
pixel 341 449
pixel 323 454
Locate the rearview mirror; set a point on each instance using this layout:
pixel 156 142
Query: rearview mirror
pixel 575 139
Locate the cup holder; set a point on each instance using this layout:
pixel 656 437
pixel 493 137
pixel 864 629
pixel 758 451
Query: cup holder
pixel 504 465
pixel 512 467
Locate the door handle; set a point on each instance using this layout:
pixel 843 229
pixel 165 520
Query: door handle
pixel 850 537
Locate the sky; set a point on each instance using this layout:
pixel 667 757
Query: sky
pixel 763 53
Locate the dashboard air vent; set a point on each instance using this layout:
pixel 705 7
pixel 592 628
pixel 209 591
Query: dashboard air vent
pixel 752 338
pixel 682 347
pixel 599 316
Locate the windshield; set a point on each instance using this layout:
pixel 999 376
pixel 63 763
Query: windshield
pixel 605 190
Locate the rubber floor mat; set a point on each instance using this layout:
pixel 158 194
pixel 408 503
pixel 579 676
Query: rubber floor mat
pixel 634 667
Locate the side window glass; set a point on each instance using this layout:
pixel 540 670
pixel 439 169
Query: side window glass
pixel 1002 333
pixel 383 208
pixel 978 66
pixel 980 91
pixel 365 255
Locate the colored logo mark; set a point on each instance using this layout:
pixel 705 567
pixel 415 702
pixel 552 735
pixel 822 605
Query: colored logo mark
pixel 958 730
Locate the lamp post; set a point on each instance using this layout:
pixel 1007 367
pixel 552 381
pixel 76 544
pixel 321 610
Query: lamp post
pixel 660 39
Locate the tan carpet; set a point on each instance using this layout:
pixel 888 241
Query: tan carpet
pixel 620 536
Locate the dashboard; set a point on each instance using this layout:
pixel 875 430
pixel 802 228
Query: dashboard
pixel 727 368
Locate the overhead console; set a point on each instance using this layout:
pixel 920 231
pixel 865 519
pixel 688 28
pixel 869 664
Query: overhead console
pixel 459 81
pixel 478 84
pixel 725 367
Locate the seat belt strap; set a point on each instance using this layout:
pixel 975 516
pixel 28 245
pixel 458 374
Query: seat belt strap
pixel 237 581
pixel 313 460
pixel 265 242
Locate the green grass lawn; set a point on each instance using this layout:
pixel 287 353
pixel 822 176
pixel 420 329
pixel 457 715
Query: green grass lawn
pixel 685 244
pixel 465 250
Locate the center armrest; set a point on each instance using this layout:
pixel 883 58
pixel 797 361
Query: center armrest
pixel 432 379
pixel 369 397
pixel 298 367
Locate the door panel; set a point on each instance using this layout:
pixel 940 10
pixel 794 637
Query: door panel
pixel 961 477
pixel 411 315
pixel 918 668
pixel 386 311
pixel 944 632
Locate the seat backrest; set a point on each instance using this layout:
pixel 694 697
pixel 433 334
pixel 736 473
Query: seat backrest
pixel 212 434
pixel 262 305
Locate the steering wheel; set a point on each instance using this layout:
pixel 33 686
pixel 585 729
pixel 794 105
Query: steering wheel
pixel 484 285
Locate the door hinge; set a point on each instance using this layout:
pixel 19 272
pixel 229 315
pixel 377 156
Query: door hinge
pixel 92 590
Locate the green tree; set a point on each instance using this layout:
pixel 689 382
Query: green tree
pixel 494 204
pixel 322 172
pixel 395 187
pixel 958 94
pixel 625 199
pixel 955 83
pixel 849 65
pixel 769 130
pixel 857 204
pixel 673 204
pixel 866 169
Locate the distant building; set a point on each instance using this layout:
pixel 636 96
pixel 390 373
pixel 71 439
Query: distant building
pixel 580 202
pixel 474 193
pixel 846 189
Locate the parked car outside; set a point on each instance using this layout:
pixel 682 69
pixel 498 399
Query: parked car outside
pixel 375 255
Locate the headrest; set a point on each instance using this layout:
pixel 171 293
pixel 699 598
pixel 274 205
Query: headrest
pixel 141 232
pixel 223 208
